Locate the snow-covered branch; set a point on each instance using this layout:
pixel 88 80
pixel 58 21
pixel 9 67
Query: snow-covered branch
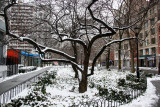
pixel 58 52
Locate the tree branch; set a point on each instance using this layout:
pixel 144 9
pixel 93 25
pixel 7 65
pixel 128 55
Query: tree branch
pixel 102 50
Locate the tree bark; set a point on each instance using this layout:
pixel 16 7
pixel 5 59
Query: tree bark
pixel 75 70
pixel 83 84
pixel 119 57
pixel 132 57
pixel 107 59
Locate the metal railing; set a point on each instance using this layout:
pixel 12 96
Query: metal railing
pixel 12 92
pixel 109 101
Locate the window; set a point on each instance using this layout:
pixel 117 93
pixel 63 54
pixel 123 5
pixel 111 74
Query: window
pixel 146 33
pixel 125 46
pixel 153 50
pixel 147 51
pixel 152 21
pixel 146 24
pixel 141 52
pixel 150 11
pixel 127 53
pixel 116 55
pixel 141 35
pixel 152 31
pixel 121 46
pixel 146 42
pixel 141 44
pixel 153 41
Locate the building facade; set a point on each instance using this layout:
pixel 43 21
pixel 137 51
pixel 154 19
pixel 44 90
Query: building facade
pixel 149 42
pixel 149 38
pixel 21 23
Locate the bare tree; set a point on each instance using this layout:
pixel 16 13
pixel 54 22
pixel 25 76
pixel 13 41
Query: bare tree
pixel 84 30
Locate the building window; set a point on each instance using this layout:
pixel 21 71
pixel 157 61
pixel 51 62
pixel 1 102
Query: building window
pixel 121 46
pixel 116 55
pixel 147 51
pixel 146 24
pixel 141 44
pixel 146 42
pixel 127 53
pixel 126 46
pixel 152 31
pixel 153 41
pixel 141 35
pixel 146 33
pixel 153 50
pixel 150 11
pixel 141 52
pixel 152 21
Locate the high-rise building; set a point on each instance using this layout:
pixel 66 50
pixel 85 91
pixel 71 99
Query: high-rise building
pixel 21 23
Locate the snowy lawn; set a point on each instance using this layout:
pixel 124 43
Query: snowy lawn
pixel 62 90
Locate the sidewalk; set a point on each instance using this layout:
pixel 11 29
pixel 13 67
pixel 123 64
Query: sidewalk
pixel 156 83
pixel 9 84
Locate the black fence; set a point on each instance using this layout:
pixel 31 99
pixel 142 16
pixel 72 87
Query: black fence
pixel 111 101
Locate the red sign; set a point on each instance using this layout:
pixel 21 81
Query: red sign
pixel 13 53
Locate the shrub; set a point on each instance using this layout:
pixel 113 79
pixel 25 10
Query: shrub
pixel 121 82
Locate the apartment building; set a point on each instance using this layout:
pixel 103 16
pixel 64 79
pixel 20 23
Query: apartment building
pixel 149 42
pixel 21 23
pixel 149 38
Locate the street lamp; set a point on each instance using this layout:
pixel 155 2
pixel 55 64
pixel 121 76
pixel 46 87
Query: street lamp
pixel 136 29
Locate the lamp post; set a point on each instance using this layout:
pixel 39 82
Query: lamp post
pixel 136 34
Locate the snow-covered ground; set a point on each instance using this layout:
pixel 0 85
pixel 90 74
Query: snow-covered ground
pixel 61 95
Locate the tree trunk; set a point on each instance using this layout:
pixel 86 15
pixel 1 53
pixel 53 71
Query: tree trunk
pixel 83 84
pixel 75 70
pixel 132 57
pixel 107 59
pixel 119 57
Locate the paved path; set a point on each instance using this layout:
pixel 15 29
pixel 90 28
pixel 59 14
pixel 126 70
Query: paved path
pixel 9 84
pixel 157 85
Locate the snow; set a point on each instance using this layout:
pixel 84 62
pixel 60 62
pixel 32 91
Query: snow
pixel 148 98
pixel 61 94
